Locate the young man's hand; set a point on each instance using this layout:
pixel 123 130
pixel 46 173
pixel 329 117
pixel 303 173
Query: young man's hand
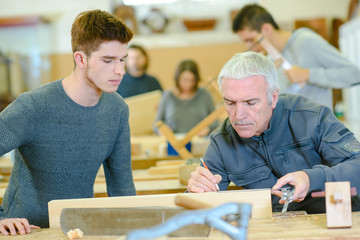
pixel 10 226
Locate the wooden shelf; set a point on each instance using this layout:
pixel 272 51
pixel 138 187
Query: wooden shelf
pixel 21 21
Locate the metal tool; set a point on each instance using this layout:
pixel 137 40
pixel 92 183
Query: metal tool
pixel 218 217
pixel 119 221
pixel 287 195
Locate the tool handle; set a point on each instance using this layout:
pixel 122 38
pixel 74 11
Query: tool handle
pixel 185 201
pixel 322 193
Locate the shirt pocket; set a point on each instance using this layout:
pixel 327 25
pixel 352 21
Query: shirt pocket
pixel 296 157
pixel 258 176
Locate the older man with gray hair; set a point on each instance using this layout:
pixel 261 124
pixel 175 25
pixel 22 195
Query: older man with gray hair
pixel 271 140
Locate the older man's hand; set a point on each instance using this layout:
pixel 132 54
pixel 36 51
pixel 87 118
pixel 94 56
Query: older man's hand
pixel 202 180
pixel 300 180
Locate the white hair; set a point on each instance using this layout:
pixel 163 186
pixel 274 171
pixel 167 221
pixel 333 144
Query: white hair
pixel 247 64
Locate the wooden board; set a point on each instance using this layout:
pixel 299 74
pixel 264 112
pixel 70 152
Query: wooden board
pixel 155 147
pixel 163 186
pixel 170 162
pixel 150 145
pixel 338 213
pixel 5 165
pixel 299 228
pixel 142 175
pixel 143 109
pixel 163 169
pixel 144 162
pixel 260 200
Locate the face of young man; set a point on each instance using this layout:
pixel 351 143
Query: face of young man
pixel 135 62
pixel 250 38
pixel 247 105
pixel 106 66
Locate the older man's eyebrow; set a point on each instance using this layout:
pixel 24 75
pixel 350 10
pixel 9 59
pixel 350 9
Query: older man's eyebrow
pixel 228 99
pixel 244 100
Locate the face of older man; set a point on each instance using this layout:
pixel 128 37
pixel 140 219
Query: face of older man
pixel 247 104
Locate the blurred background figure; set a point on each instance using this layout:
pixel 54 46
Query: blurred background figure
pixel 314 66
pixel 185 105
pixel 136 80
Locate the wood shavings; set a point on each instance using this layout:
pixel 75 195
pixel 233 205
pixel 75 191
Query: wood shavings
pixel 75 234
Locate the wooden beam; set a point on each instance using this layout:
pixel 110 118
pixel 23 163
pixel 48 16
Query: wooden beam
pixel 169 134
pixel 179 145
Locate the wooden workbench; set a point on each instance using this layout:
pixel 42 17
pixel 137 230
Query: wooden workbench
pixel 297 227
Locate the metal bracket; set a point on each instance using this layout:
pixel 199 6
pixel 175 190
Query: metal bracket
pixel 218 217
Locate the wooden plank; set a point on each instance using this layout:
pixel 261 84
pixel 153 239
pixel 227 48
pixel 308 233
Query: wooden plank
pixel 338 204
pixel 155 147
pixel 163 169
pixel 168 132
pixel 142 175
pixel 144 162
pixel 170 162
pixel 147 187
pixel 144 187
pixel 5 165
pixel 150 145
pixel 143 109
pixel 260 200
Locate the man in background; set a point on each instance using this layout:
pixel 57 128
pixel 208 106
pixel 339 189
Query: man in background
pixel 316 66
pixel 136 80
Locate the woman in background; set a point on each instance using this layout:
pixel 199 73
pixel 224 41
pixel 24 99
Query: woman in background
pixel 184 106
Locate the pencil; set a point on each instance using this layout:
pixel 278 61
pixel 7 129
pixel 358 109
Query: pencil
pixel 203 162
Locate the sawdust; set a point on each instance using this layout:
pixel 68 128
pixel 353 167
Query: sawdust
pixel 75 234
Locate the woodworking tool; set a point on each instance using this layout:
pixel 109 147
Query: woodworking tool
pixel 119 221
pixel 219 217
pixel 287 195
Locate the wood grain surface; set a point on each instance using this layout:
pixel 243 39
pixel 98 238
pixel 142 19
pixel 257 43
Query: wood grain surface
pixel 294 227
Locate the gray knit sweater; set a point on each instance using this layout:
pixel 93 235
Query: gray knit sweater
pixel 59 147
pixel 328 68
pixel 182 115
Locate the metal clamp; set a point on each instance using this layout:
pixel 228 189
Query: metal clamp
pixel 218 217
pixel 287 195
